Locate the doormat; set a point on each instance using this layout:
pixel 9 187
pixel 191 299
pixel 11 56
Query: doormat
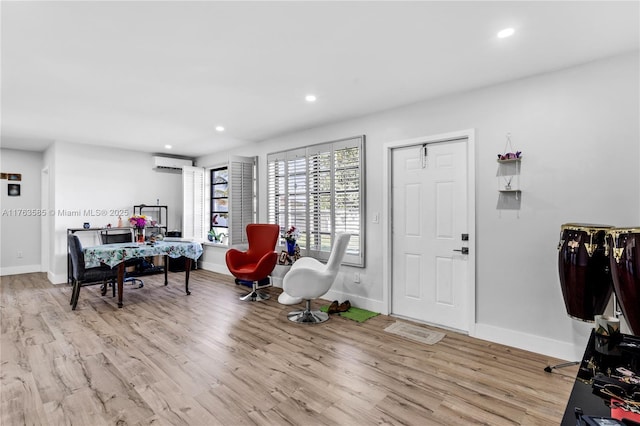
pixel 355 314
pixel 413 332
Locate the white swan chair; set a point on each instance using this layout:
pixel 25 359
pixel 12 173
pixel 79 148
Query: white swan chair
pixel 309 279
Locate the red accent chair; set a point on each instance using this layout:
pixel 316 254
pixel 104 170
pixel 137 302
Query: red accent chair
pixel 255 264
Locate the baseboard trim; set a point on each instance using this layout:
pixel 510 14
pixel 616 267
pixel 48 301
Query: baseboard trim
pixel 16 270
pixel 215 267
pixel 57 278
pixel 530 342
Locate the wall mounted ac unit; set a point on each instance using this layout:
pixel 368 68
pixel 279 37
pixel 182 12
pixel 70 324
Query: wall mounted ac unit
pixel 170 164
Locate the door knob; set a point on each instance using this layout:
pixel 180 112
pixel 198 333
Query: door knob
pixel 463 250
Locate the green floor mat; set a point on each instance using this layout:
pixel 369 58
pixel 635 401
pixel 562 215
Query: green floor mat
pixel 356 314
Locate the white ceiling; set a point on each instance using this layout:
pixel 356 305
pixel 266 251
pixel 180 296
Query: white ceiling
pixel 139 75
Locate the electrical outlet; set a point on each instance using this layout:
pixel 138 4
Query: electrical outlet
pixel 376 218
pixel 356 277
pixel 19 255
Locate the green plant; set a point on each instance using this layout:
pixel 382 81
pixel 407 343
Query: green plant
pixel 216 236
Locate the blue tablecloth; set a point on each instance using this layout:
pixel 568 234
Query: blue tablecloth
pixel 113 254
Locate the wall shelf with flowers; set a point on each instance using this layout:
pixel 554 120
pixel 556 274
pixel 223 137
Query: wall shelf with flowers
pixel 508 177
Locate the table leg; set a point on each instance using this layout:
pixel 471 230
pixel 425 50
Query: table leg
pixel 187 265
pixel 166 268
pixel 120 283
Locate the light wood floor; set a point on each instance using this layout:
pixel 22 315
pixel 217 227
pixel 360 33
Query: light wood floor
pixel 211 359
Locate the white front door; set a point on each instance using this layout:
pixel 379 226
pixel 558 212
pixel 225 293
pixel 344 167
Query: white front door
pixel 429 216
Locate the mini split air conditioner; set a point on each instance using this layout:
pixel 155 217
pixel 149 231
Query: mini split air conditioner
pixel 170 164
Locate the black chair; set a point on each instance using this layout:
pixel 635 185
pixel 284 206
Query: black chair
pixel 124 237
pixel 87 276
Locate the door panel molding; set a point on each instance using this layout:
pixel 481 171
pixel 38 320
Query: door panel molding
pixel 387 194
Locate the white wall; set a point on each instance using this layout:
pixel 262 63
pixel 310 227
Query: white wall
pixel 578 130
pixel 89 180
pixel 20 228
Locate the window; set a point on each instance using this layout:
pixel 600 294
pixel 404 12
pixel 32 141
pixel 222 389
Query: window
pixel 319 189
pixel 230 206
pixel 219 209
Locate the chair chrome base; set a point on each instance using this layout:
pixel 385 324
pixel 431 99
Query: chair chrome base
pixel 307 317
pixel 256 296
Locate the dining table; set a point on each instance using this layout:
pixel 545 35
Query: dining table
pixel 115 255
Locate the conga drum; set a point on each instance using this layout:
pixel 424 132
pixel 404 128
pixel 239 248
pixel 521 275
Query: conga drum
pixel 625 269
pixel 584 269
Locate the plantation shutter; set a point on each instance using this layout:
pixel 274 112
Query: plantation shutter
pixel 319 189
pixel 296 193
pixel 193 204
pixel 348 202
pixel 276 192
pixel 241 197
pixel 320 171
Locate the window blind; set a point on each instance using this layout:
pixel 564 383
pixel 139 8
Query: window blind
pixel 348 202
pixel 241 197
pixel 296 194
pixel 320 190
pixel 321 212
pixel 193 203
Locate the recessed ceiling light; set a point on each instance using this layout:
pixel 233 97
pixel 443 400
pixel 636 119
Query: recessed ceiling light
pixel 507 32
pixel 310 98
pixel 219 128
pixel 168 146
